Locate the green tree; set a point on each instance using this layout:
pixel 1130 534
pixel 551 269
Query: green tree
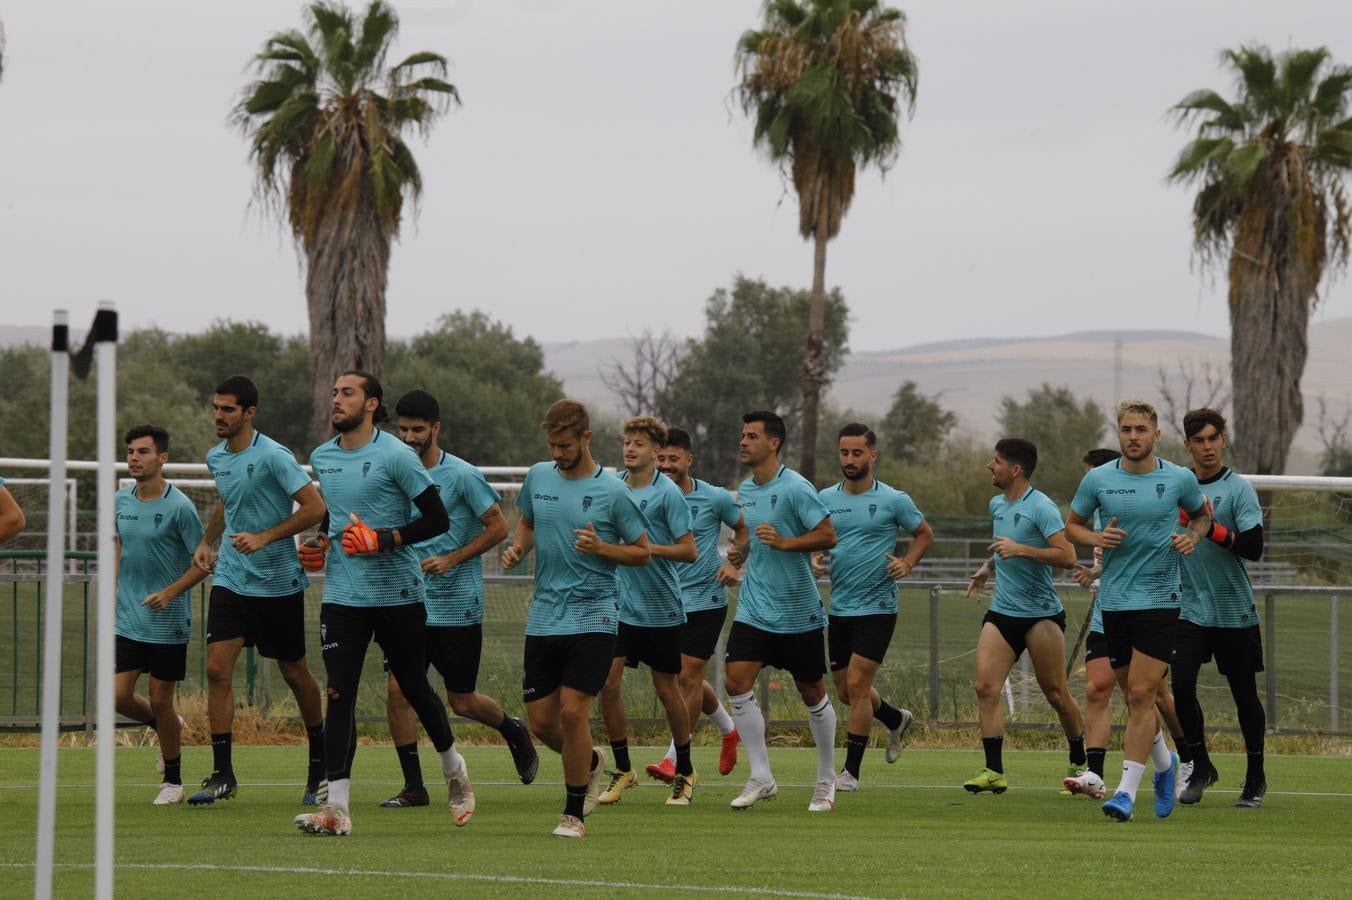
pixel 826 82
pixel 326 123
pixel 1062 427
pixel 1269 167
pixel 916 425
pixel 747 359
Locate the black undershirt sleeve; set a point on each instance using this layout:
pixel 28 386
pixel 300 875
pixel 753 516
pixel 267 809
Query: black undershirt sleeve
pixel 324 524
pixel 1248 544
pixel 432 521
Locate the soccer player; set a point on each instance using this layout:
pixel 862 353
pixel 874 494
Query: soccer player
pixel 704 590
pixel 453 565
pixel 1219 617
pixel 11 514
pixel 258 588
pixel 374 588
pixel 157 530
pixel 866 514
pixel 581 523
pixel 1025 611
pixel 1140 494
pixel 652 611
pixel 779 617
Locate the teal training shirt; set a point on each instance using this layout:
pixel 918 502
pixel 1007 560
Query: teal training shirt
pixel 156 541
pixel 456 597
pixel 256 486
pixel 1143 572
pixel 1216 588
pixel 710 508
pixel 1024 587
pixel 377 482
pixel 651 596
pixel 575 593
pixel 779 593
pixel 866 528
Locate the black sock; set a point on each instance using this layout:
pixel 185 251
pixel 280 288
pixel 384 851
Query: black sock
pixel 1255 773
pixel 1201 758
pixel 1077 750
pixel 683 764
pixel 220 753
pixel 149 723
pixel 992 746
pixel 854 752
pixel 510 730
pixel 408 761
pixel 889 715
pixel 1096 757
pixel 1185 751
pixel 621 751
pixel 595 759
pixel 172 771
pixel 316 770
pixel 576 795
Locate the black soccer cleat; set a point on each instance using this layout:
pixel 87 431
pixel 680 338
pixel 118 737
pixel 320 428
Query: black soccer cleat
pixel 216 786
pixel 1198 782
pixel 524 755
pixel 407 797
pixel 1252 795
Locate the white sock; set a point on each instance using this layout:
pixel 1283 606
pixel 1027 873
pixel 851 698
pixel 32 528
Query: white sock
pixel 671 750
pixel 340 789
pixel 452 763
pixel 1159 753
pixel 821 719
pixel 1131 778
pixel 746 713
pixel 721 719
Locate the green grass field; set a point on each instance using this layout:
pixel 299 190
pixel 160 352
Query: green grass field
pixel 911 832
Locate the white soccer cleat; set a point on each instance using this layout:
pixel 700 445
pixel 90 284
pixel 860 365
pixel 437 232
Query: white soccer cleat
pixel 846 783
pixel 594 782
pixel 169 795
pixel 896 737
pixel 569 827
pixel 328 820
pixel 1087 784
pixel 753 792
pixel 1184 773
pixel 823 797
pixel 461 796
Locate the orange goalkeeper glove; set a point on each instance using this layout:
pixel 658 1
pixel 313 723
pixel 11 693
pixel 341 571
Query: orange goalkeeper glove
pixel 360 539
pixel 312 552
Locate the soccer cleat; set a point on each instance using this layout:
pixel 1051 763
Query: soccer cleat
pixel 407 797
pixel 619 783
pixel 215 787
pixel 1119 807
pixel 460 796
pixel 169 795
pixel 665 771
pixel 846 783
pixel 1072 772
pixel 753 792
pixel 727 755
pixel 1087 783
pixel 524 755
pixel 321 793
pixel 823 797
pixel 594 782
pixel 328 820
pixel 569 827
pixel 1252 795
pixel 986 780
pixel 896 737
pixel 1165 794
pixel 1184 775
pixel 682 790
pixel 1198 782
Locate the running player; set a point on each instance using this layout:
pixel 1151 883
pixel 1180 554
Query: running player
pixel 157 529
pixel 1140 494
pixel 258 588
pixel 581 523
pixel 652 611
pixel 1219 617
pixel 1025 611
pixel 704 589
pixel 864 572
pixel 11 515
pixel 374 588
pixel 454 570
pixel 779 617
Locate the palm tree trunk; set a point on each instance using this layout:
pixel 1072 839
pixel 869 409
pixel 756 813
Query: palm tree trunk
pixel 346 274
pixel 814 346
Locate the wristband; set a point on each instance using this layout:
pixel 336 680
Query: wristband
pixel 1220 534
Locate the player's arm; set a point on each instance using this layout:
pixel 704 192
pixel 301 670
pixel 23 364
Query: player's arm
pixel 921 540
pixel 360 539
pixel 821 537
pixel 521 545
pixel 976 582
pixel 636 553
pixel 1199 526
pixel 683 551
pixel 186 582
pixel 1079 532
pixel 11 516
pixel 494 533
pixel 310 511
pixel 1058 551
pixel 204 557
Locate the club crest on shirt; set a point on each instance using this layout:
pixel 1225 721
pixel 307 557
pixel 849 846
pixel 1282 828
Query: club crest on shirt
pixel 872 510
pixel 643 504
pixel 774 498
pixel 365 467
pixel 1017 517
pixel 586 503
pixel 159 517
pixel 1159 490
pixel 248 471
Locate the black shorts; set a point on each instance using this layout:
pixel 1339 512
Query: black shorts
pixel 868 636
pixel 577 661
pixel 659 648
pixel 1095 646
pixel 802 654
pixel 1238 651
pixel 699 637
pixel 454 651
pixel 273 625
pixel 167 662
pixel 1149 631
pixel 1014 629
pixel 345 633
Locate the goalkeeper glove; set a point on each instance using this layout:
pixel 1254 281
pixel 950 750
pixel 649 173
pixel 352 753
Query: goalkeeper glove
pixel 360 539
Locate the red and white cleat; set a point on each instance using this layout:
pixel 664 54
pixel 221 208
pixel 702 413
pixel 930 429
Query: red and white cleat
pixel 727 756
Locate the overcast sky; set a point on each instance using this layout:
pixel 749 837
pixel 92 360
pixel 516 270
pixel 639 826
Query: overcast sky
pixel 598 180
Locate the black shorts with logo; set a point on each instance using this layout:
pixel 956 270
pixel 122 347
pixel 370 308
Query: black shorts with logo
pixel 1148 631
pixel 1014 629
pixel 1095 646
pixel 700 635
pixel 167 662
pixel 577 661
pixel 659 648
pixel 869 636
pixel 1238 651
pixel 275 626
pixel 802 654
pixel 454 651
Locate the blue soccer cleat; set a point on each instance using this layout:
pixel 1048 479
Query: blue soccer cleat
pixel 1165 781
pixel 1119 807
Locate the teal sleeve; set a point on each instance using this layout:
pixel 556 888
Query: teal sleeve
pixel 1086 500
pixel 410 474
pixel 730 511
pixel 523 502
pixel 1049 519
pixel 1248 514
pixel 287 471
pixel 479 494
pixel 1190 497
pixel 808 507
pixel 190 528
pixel 628 519
pixel 677 514
pixel 908 516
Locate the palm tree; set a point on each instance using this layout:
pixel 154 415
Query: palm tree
pixel 1269 167
pixel 326 122
pixel 825 81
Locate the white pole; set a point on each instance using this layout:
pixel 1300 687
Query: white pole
pixel 105 354
pixel 51 645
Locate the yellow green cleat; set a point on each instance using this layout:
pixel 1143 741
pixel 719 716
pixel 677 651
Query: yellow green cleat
pixel 986 780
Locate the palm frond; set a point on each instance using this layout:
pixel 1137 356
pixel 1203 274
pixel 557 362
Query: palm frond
pixel 379 27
